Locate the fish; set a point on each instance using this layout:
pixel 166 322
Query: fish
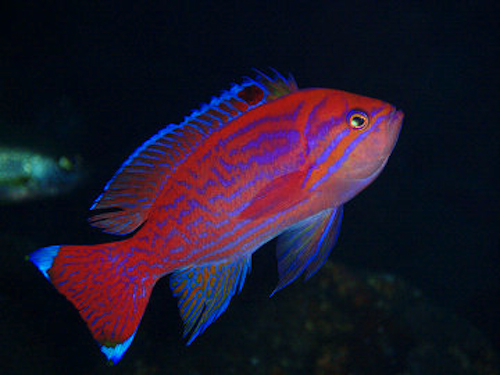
pixel 264 159
pixel 27 175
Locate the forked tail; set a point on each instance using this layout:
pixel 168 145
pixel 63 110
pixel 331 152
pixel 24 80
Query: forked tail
pixel 109 284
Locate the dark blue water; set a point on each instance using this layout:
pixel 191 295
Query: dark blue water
pixel 98 79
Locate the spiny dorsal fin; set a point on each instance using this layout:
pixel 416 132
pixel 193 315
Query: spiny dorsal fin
pixel 129 195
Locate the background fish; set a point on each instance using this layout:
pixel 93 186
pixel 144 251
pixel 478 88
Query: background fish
pixel 263 159
pixel 27 175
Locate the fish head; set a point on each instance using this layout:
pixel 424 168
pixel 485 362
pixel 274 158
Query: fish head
pixel 372 127
pixel 355 137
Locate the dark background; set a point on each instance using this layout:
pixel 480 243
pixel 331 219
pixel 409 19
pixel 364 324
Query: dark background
pixel 97 79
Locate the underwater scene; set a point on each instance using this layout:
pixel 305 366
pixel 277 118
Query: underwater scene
pixel 201 188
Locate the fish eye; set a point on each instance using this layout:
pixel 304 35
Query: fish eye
pixel 358 119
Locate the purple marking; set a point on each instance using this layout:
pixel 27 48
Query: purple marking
pixel 263 137
pixel 219 239
pixel 217 197
pixel 225 183
pixel 182 214
pixel 193 174
pixel 322 130
pixel 287 116
pixel 312 115
pixel 174 232
pixel 175 250
pixel 270 222
pixel 326 153
pixel 266 157
pixel 332 169
pixel 167 207
pixel 205 157
pixel 216 225
pixel 262 175
pixel 228 167
pixel 184 184
pixel 156 238
pixel 206 185
pixel 193 203
pixel 195 223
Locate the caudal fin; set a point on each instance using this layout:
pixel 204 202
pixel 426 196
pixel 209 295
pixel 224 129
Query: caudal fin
pixel 108 285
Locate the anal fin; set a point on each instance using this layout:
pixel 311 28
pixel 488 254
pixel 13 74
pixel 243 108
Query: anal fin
pixel 204 292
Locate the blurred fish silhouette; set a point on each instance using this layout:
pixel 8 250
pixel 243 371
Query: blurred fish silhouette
pixel 28 175
pixel 264 159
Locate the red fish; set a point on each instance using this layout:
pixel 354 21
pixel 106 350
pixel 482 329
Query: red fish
pixel 262 160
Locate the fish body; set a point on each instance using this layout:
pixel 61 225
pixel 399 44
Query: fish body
pixel 26 175
pixel 264 159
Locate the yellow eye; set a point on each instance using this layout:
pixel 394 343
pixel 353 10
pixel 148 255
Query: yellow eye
pixel 358 120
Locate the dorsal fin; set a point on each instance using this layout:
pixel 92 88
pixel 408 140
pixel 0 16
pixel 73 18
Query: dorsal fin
pixel 129 195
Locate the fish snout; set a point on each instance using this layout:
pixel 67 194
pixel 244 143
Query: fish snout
pixel 395 123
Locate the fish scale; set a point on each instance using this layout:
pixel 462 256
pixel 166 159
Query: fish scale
pixel 264 159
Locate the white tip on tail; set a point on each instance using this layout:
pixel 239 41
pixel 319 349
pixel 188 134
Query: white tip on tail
pixel 115 353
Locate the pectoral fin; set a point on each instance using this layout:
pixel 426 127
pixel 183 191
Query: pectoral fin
pixel 277 196
pixel 306 246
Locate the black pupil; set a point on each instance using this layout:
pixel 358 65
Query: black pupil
pixel 358 121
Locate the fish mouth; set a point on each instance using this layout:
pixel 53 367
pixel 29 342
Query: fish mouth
pixel 395 123
pixel 397 115
pixel 393 128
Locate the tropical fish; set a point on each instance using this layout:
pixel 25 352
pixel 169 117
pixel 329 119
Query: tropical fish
pixel 25 174
pixel 264 159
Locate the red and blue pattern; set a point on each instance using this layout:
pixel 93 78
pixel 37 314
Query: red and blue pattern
pixel 264 159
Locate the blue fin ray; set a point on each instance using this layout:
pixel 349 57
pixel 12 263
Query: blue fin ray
pixel 43 259
pixel 126 203
pixel 204 292
pixel 306 246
